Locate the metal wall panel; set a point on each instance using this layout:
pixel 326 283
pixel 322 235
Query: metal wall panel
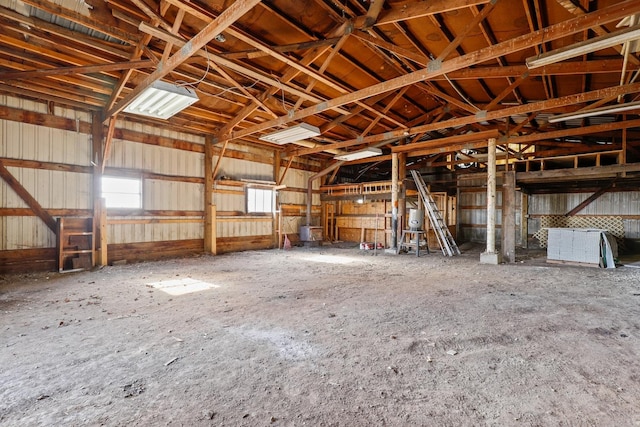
pixel 238 169
pixel 135 233
pixel 67 190
pixel 25 232
pixel 621 203
pixel 52 189
pixel 151 158
pixel 298 179
pixel 172 195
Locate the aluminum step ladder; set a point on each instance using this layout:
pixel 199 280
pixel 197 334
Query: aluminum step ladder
pixel 445 239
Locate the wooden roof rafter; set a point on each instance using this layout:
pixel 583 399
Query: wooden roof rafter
pixel 226 19
pixel 556 31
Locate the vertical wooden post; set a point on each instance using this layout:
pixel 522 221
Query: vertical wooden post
pixel 103 258
pixel 99 204
pixel 276 214
pixel 509 217
pixel 209 207
pixel 623 156
pixel 490 256
pixel 211 236
pixel 491 197
pixel 394 201
pixel 524 221
pixel 402 202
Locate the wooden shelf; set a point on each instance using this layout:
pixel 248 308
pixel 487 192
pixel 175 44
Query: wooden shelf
pixel 602 158
pixel 76 244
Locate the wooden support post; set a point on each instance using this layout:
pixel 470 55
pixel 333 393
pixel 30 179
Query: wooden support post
pixel 103 257
pixel 402 197
pixel 524 221
pixel 490 256
pixel 491 197
pixel 623 156
pixel 509 217
pixel 276 214
pixel 209 207
pixel 210 230
pixel 394 201
pixel 99 204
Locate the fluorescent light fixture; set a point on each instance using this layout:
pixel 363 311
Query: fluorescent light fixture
pixel 162 100
pixel 582 48
pixel 362 154
pixel 291 134
pixel 595 112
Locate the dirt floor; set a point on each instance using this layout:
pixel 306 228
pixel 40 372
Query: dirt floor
pixel 328 336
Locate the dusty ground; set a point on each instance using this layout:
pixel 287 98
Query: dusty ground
pixel 322 337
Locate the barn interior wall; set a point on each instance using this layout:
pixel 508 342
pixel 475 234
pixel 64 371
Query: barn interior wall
pixel 624 204
pixel 472 209
pixel 59 175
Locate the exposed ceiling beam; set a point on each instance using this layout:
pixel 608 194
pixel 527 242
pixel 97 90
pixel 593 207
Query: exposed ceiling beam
pixel 407 53
pixel 562 68
pixel 251 41
pixel 418 9
pixel 446 141
pixel 471 26
pixel 80 69
pixel 611 13
pixel 78 18
pixel 490 115
pixel 583 130
pixel 218 25
pixel 277 84
pixel 372 13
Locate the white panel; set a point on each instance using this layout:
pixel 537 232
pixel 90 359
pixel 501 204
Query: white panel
pixel 151 158
pixel 26 233
pixel 242 169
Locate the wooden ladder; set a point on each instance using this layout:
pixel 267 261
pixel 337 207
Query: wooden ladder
pixel 445 239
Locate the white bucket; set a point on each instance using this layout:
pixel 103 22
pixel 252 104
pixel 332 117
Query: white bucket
pixel 416 219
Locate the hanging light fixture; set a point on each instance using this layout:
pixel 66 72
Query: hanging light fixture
pixel 291 134
pixel 361 154
pixel 162 100
pixel 584 47
pixel 595 112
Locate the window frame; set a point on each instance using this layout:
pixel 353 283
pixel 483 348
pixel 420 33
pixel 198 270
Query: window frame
pixel 138 179
pixel 248 204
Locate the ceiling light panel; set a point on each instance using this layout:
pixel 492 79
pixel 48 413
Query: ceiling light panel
pixel 162 100
pixel 292 134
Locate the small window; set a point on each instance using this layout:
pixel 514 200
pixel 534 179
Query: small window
pixel 260 200
pixel 122 192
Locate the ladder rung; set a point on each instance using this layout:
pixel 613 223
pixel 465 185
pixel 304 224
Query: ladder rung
pixel 445 239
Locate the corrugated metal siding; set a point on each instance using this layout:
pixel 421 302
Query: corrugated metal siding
pixel 31 142
pixel 152 130
pixel 134 233
pixel 26 232
pixel 238 169
pixel 52 189
pixel 298 179
pixel 609 204
pixel 66 190
pixel 151 158
pixel 172 195
pixel 472 211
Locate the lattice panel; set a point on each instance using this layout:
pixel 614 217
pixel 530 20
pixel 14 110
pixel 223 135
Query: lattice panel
pixel 613 224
